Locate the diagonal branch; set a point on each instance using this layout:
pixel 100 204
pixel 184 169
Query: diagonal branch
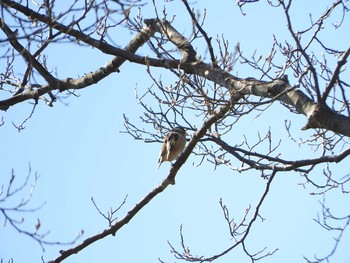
pixel 106 48
pixel 89 79
pixel 26 54
pixel 52 23
pixel 170 179
pixel 205 35
pixel 249 226
pixel 335 76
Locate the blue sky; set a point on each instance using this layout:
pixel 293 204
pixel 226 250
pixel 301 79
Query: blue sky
pixel 79 153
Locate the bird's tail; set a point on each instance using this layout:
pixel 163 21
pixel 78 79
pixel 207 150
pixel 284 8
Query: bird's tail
pixel 160 161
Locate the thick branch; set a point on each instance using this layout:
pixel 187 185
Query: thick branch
pixel 279 89
pixel 70 83
pixel 318 116
pixel 52 23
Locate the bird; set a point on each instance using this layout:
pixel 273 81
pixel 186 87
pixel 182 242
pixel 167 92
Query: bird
pixel 173 145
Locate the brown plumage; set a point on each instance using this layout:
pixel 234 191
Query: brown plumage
pixel 173 145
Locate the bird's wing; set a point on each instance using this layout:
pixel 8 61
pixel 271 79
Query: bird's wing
pixel 162 154
pixel 171 141
pixel 164 151
pixel 168 146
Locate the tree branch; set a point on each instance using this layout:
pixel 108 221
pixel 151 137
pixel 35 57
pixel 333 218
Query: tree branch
pixel 164 27
pixel 51 80
pixel 205 35
pixel 335 76
pixel 286 165
pixel 319 116
pixel 83 82
pixel 186 251
pixel 170 179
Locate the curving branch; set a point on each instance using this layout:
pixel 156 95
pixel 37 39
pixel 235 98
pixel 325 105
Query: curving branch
pixel 276 163
pixel 327 221
pixel 242 230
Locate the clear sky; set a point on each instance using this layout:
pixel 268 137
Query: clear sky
pixel 78 151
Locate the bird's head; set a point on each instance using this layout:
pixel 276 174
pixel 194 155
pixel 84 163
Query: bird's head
pixel 180 130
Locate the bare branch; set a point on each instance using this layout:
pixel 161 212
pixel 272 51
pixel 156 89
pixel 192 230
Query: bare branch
pixel 286 165
pixel 26 54
pixel 13 215
pixel 110 217
pixel 187 256
pixel 327 221
pixel 335 76
pixel 205 35
pixel 164 27
pixel 209 92
pixel 170 179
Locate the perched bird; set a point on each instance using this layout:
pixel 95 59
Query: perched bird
pixel 173 145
